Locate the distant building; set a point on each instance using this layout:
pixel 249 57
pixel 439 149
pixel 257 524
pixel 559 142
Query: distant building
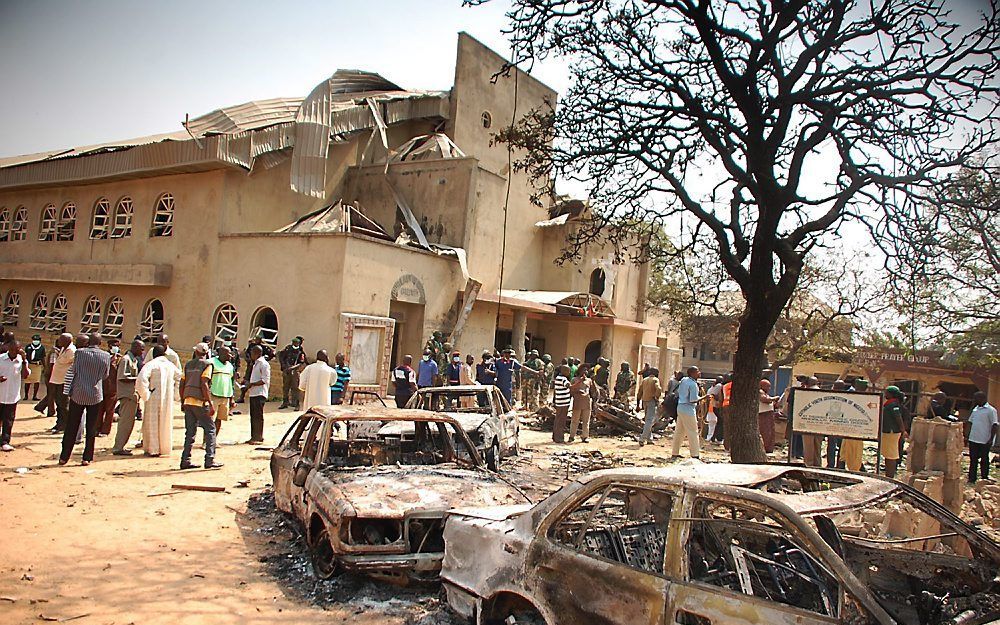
pixel 363 217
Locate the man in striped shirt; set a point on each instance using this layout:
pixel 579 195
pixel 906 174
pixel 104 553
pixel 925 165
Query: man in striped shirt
pixel 84 384
pixel 339 388
pixel 561 402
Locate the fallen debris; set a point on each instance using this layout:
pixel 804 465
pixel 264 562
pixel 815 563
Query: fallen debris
pixel 199 487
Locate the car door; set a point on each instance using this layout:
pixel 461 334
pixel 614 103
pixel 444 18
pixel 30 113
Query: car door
pixel 283 460
pixel 506 419
pixel 742 564
pixel 312 446
pixel 600 560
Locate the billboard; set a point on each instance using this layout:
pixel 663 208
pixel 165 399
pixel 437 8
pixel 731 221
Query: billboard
pixel 837 413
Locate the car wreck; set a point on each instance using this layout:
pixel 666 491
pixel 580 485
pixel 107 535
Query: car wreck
pixel 700 544
pixel 484 414
pixel 371 486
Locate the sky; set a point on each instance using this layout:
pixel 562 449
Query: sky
pixel 77 73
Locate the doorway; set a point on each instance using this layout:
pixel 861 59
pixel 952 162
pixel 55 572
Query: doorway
pixel 407 336
pixel 592 352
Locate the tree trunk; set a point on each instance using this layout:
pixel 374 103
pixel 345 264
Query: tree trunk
pixel 742 432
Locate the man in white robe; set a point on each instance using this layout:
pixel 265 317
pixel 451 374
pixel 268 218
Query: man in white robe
pixel 158 386
pixel 315 381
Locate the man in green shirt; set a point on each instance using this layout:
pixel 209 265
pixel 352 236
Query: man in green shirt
pixel 221 386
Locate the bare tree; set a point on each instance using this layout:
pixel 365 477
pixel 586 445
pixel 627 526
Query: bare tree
pixel 765 124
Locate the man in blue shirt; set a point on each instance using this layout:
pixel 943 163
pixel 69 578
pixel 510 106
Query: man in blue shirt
pixel 688 396
pixel 339 388
pixel 505 369
pixel 426 370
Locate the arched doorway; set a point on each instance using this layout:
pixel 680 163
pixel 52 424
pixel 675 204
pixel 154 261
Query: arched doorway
pixel 592 352
pixel 598 281
pixel 265 325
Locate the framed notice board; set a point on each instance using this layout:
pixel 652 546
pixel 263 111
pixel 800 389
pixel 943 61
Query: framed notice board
pixel 842 414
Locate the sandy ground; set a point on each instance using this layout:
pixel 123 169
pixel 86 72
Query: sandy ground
pixel 111 543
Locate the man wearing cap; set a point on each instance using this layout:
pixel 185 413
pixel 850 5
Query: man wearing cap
pixel 292 359
pixel 485 375
pixel 893 428
pixel 506 367
pixel 533 370
pixel 197 406
pixel 35 353
pixel 157 386
pixel 221 389
pixel 624 384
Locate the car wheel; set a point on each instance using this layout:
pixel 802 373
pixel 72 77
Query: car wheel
pixel 493 456
pixel 324 561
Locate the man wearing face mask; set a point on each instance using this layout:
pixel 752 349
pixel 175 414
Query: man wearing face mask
pixel 35 353
pixel 427 370
pixel 485 375
pixel 106 415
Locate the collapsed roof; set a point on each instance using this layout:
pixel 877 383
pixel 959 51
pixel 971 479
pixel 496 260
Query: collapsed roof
pixel 254 134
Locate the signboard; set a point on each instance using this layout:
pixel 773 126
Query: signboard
pixel 837 413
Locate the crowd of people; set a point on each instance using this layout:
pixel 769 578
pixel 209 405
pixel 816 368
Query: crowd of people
pixel 90 383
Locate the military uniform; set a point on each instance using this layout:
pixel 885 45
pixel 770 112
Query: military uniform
pixel 532 382
pixel 548 375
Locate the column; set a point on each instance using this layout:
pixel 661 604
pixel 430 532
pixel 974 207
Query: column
pixel 607 340
pixel 520 330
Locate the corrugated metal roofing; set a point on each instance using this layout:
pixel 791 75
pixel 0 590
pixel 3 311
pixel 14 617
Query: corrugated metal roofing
pixel 247 116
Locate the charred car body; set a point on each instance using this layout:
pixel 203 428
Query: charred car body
pixel 371 487
pixel 484 413
pixel 700 544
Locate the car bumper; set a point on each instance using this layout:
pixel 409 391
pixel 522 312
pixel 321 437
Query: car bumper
pixel 401 563
pixel 463 602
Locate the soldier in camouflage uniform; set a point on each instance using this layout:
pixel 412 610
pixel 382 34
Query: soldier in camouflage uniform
pixel 532 373
pixel 548 375
pixel 442 362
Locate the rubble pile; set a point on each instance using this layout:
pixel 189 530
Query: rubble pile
pixel 935 461
pixel 982 506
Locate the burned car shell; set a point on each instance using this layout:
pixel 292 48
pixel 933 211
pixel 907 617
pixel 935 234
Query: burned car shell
pixel 384 520
pixel 502 562
pixel 495 434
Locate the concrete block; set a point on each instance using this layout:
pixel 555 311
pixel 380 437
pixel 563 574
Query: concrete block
pixel 953 493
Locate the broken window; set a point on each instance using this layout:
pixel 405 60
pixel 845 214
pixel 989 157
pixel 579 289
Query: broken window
pixel 619 523
pixel 67 222
pixel 227 322
pixel 151 324
pixel 293 437
pixel 99 223
pixel 265 326
pixel 11 308
pixel 4 224
pixel 487 119
pixel 372 443
pixel 19 227
pixel 163 217
pixel 39 311
pixel 749 551
pixel 47 224
pixel 91 321
pixel 123 219
pixel 114 318
pixel 57 314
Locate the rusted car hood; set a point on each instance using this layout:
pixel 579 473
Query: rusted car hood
pixel 495 513
pixel 393 491
pixel 470 421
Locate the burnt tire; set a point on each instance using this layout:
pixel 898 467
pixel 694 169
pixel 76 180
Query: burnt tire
pixel 324 562
pixel 493 456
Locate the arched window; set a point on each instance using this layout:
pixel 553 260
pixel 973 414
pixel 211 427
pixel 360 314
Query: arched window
pixel 114 318
pixel 123 219
pixel 227 323
pixel 39 311
pixel 47 224
pixel 91 315
pixel 67 222
pixel 265 325
pixel 4 224
pixel 592 352
pixel 11 308
pixel 101 218
pixel 163 217
pixel 151 323
pixel 597 282
pixel 19 227
pixel 58 314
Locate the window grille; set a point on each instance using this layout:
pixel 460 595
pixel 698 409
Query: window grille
pixel 91 315
pixel 163 217
pixel 227 323
pixel 123 219
pixel 151 324
pixel 11 308
pixel 19 227
pixel 114 319
pixel 67 222
pixel 47 225
pixel 4 224
pixel 39 311
pixel 58 314
pixel 99 223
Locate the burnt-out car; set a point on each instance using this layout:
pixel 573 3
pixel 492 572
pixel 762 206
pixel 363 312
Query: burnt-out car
pixel 700 544
pixel 484 413
pixel 371 487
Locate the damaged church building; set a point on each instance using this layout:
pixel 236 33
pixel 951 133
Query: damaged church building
pixel 363 217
